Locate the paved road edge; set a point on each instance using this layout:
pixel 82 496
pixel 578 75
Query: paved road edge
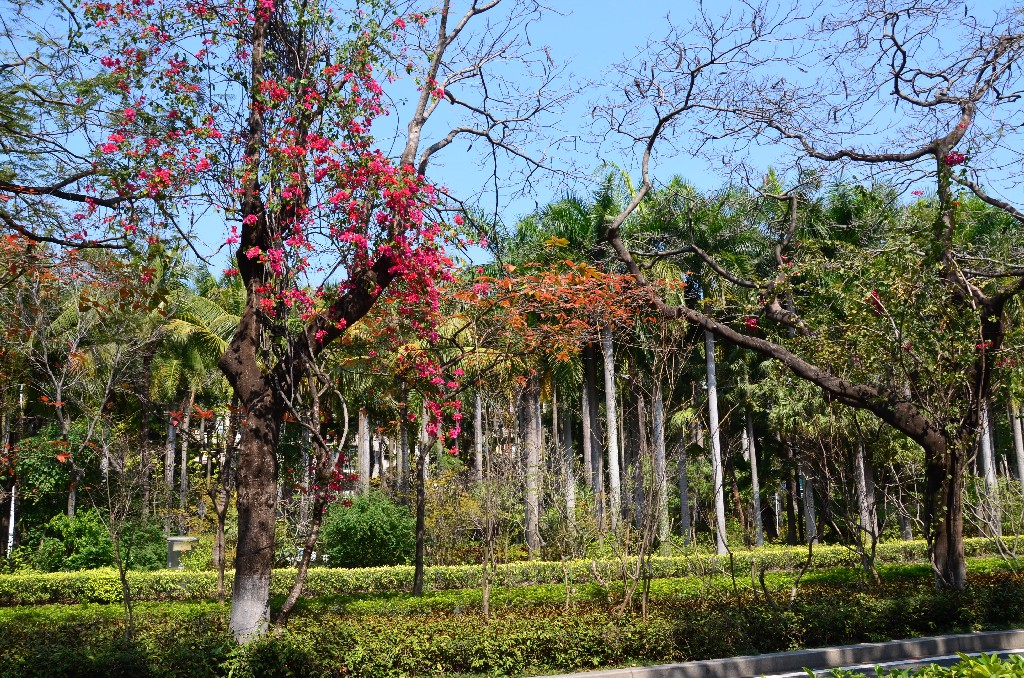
pixel 821 658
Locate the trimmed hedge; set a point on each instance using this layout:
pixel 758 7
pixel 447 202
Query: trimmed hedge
pixel 191 639
pixel 103 586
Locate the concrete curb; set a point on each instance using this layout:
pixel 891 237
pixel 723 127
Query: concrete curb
pixel 822 658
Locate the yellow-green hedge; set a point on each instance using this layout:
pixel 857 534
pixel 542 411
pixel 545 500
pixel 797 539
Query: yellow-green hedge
pixel 104 586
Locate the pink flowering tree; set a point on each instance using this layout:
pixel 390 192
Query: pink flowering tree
pixel 261 116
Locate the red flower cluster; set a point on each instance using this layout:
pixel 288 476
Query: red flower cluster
pixel 954 158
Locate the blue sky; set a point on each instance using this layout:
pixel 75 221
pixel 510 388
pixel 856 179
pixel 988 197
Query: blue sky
pixel 588 37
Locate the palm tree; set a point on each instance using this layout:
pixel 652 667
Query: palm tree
pixel 204 316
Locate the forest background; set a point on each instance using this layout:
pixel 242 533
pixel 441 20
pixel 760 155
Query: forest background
pixel 260 260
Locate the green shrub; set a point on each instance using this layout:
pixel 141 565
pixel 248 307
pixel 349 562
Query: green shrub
pixel 78 543
pixel 144 546
pixel 83 543
pixel 371 532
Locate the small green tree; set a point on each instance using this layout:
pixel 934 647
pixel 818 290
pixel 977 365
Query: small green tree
pixel 370 532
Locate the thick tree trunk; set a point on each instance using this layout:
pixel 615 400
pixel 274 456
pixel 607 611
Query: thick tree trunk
pixel 750 444
pixel 612 428
pixel 257 515
pixel 530 404
pixel 718 479
pixel 944 512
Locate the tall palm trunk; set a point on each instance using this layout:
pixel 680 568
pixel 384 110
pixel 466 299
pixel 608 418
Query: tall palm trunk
pixel 592 432
pixel 1013 411
pixel 718 478
pixel 612 428
pixel 186 432
pixel 169 450
pixel 685 522
pixel 532 443
pixel 403 456
pixel 810 514
pixel 660 465
pixel 990 505
pixel 750 444
pixel 865 494
pixel 363 449
pixel 478 438
pixel 566 464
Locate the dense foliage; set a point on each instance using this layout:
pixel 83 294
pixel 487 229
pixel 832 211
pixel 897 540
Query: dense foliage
pixel 371 532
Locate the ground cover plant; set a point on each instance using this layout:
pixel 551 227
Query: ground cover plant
pixel 530 630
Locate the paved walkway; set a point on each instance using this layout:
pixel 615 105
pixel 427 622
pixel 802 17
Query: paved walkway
pixel 897 653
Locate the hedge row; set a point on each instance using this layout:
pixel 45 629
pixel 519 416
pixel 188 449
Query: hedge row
pixel 103 586
pixel 191 639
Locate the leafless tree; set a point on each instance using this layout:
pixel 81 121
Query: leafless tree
pixel 820 84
